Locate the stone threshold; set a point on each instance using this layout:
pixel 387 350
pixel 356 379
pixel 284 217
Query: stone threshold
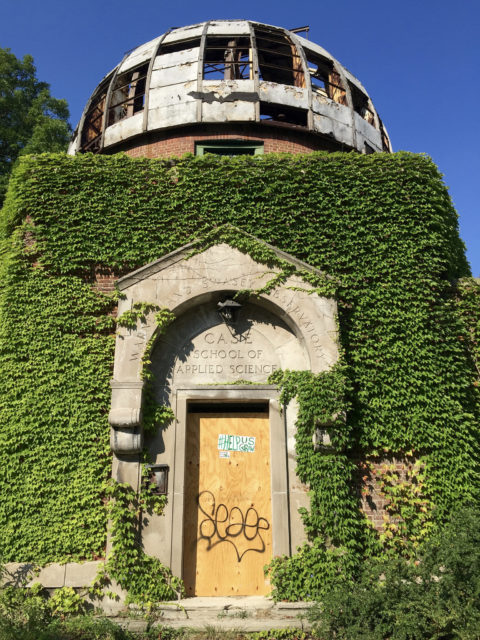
pixel 242 613
pixel 233 613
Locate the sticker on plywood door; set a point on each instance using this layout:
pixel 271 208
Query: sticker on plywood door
pixel 236 443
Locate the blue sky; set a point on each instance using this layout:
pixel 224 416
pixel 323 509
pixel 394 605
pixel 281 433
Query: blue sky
pixel 418 60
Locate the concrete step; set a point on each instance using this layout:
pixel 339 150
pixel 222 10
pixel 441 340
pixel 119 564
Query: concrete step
pixel 250 613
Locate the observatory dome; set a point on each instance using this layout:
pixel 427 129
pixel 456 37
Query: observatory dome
pixel 229 86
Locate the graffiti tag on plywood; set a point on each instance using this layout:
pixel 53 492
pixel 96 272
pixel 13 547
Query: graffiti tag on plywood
pixel 233 526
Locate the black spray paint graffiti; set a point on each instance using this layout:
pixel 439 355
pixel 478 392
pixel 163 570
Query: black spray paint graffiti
pixel 224 525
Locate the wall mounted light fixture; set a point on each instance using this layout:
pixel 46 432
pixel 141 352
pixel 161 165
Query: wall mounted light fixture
pixel 321 439
pixel 158 477
pixel 228 310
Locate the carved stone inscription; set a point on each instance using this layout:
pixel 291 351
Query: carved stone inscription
pixel 200 348
pixel 219 355
pixel 193 285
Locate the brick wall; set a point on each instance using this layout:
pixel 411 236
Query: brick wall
pixel 105 281
pixel 373 501
pixel 177 142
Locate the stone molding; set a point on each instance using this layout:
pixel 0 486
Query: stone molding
pixel 128 417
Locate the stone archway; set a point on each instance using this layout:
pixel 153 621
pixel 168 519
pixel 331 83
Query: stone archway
pixel 201 360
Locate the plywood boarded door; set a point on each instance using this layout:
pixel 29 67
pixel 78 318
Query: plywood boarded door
pixel 227 524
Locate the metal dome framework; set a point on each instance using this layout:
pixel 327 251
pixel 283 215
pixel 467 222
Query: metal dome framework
pixel 230 71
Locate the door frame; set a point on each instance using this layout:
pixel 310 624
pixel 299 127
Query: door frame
pixel 223 394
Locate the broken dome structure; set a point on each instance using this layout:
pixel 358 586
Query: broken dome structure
pixel 253 84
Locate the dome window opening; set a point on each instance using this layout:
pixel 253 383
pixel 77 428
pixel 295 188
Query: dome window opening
pixel 278 58
pixel 92 130
pixel 282 114
pixel 228 58
pixel 325 80
pixel 361 104
pixel 175 47
pixel 128 94
pixel 386 146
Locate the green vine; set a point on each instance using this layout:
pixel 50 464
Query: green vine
pixel 333 523
pixel 384 230
pixel 155 416
pixel 163 318
pixel 144 577
pixel 468 303
pixel 408 518
pixel 138 312
pixel 263 253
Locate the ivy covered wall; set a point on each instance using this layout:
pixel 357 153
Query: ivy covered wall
pixel 382 225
